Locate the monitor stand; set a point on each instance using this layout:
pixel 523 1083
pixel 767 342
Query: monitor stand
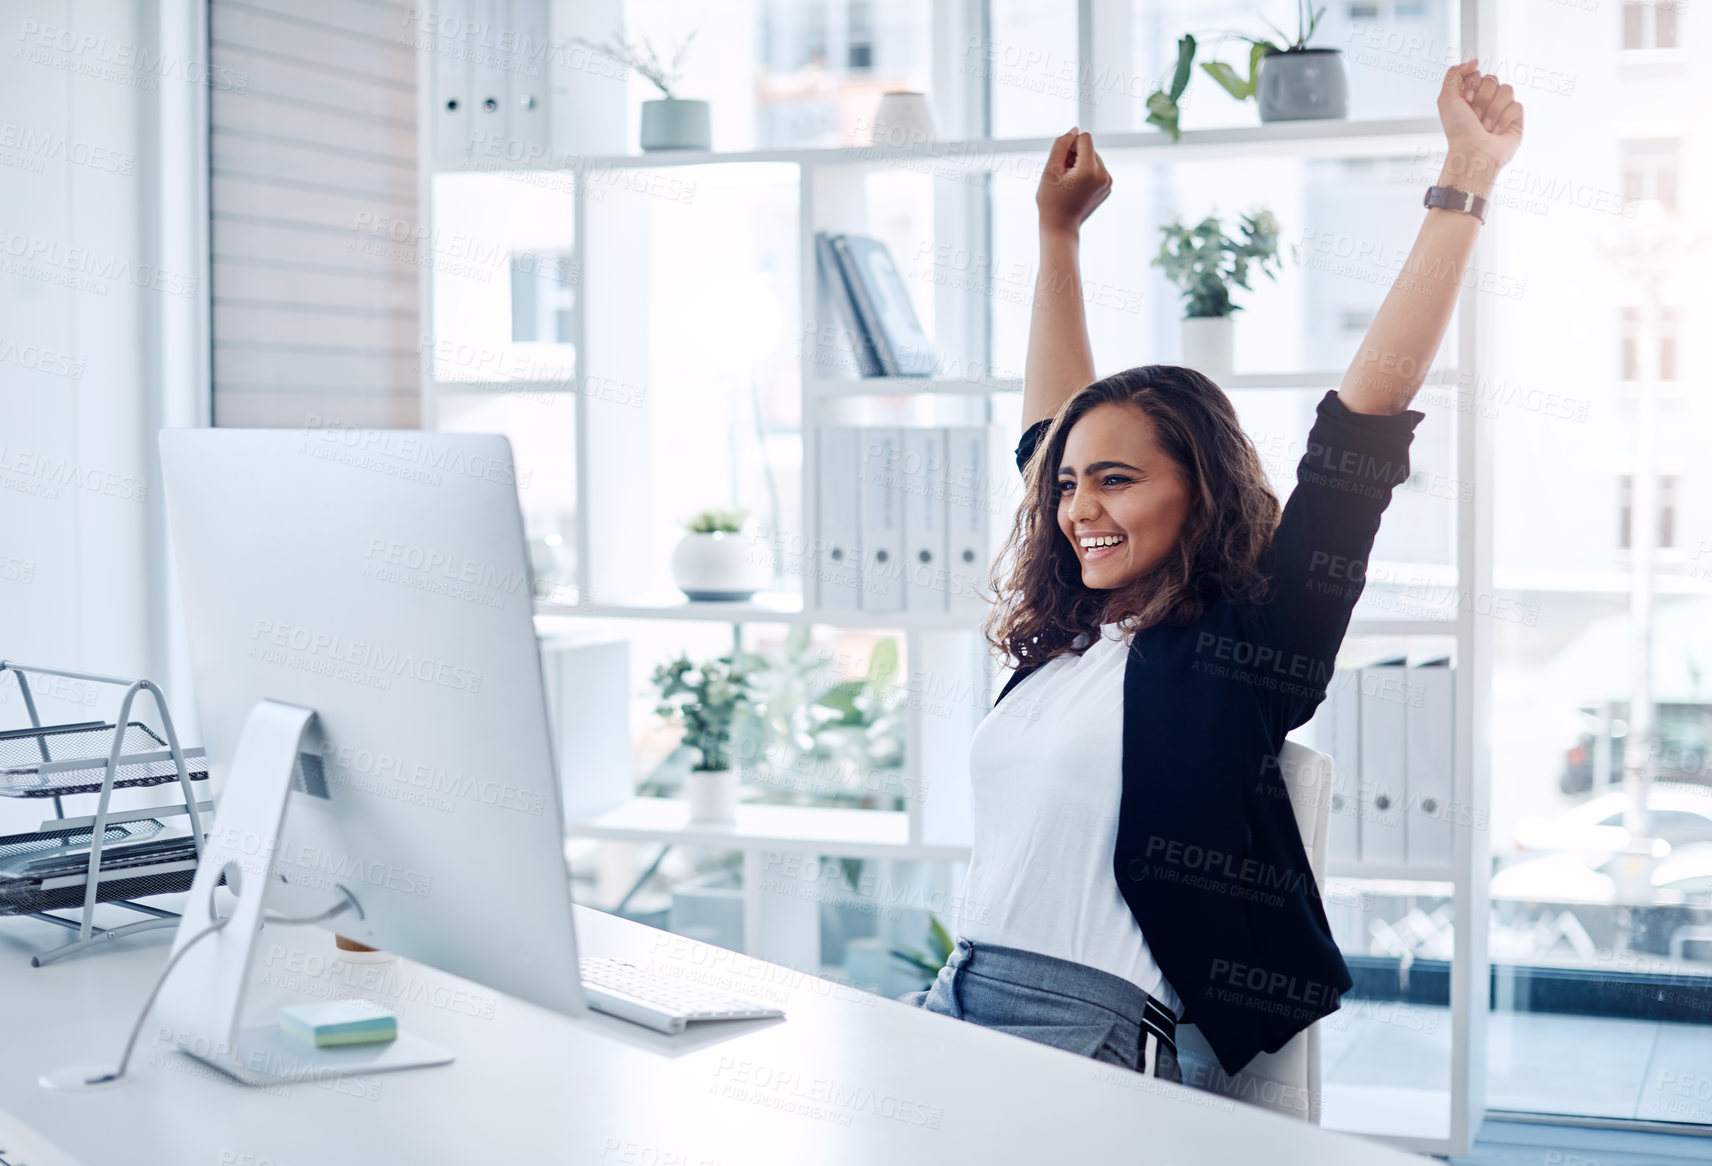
pixel 200 1004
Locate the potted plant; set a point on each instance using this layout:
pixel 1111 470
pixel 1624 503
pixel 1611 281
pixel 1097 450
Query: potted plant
pixel 1204 262
pixel 834 741
pixel 940 945
pixel 1162 102
pixel 1293 83
pixel 669 122
pixel 857 729
pixel 706 700
pixel 1298 83
pixel 712 563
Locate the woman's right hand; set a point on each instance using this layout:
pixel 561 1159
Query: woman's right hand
pixel 1074 182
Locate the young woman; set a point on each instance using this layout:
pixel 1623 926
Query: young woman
pixel 1136 861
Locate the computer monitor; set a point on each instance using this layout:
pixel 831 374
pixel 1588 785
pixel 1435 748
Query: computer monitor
pixel 381 579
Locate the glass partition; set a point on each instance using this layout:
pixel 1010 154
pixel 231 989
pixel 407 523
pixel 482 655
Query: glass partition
pixel 1601 789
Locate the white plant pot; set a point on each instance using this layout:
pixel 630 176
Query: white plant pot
pixel 1208 342
pixel 903 119
pixel 674 123
pixel 718 566
pixel 712 794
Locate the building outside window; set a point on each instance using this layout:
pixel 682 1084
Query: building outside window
pixel 1650 24
pixel 1650 170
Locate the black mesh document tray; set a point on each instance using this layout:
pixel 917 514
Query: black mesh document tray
pixel 50 870
pixel 72 759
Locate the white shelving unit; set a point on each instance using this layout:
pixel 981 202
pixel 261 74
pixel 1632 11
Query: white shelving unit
pixel 934 826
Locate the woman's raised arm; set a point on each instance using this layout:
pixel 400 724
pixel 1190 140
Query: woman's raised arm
pixel 1483 126
pixel 1060 361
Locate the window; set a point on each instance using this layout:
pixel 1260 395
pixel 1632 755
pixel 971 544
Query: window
pixel 1029 64
pixel 788 73
pixel 1664 23
pixel 1650 24
pixel 861 45
pixel 1625 510
pixel 1630 338
pixel 812 51
pixel 1668 489
pixel 1650 170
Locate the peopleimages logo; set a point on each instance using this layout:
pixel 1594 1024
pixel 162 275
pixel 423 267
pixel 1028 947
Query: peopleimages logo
pixel 54 261
pixel 119 61
pixel 307 859
pixel 42 474
pixel 402 779
pixel 409 455
pixel 38 145
pixel 374 658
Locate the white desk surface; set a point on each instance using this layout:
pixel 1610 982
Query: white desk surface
pixel 847 1077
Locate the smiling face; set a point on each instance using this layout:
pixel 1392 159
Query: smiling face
pixel 1122 500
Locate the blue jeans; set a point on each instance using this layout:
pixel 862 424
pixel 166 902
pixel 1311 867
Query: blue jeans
pixel 1055 1002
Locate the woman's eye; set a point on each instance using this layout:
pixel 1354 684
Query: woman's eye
pixel 1065 484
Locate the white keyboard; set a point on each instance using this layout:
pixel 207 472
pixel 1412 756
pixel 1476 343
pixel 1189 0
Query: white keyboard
pixel 660 1002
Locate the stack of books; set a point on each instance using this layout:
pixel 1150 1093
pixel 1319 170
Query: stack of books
pixel 872 301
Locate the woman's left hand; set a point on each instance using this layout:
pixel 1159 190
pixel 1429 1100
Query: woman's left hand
pixel 1482 119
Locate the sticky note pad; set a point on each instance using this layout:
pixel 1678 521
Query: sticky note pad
pixel 338 1022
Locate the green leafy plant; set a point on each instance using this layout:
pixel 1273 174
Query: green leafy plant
pixel 1307 20
pixel 1204 262
pixel 939 948
pixel 708 699
pixel 1228 78
pixel 1162 103
pixel 717 518
pixel 861 722
pixel 818 739
pixel 1162 109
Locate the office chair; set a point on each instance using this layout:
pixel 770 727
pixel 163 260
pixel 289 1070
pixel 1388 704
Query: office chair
pixel 1289 1079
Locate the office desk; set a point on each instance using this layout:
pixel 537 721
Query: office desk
pixel 846 1078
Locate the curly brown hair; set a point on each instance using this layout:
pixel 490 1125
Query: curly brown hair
pixel 1043 605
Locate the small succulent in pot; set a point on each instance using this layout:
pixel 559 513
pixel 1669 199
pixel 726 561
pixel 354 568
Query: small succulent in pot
pixel 728 519
pixel 712 563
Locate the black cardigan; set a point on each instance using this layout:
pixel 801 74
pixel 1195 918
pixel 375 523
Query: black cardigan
pixel 1208 856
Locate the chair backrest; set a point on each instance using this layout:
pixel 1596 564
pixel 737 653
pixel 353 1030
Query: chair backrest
pixel 1289 1079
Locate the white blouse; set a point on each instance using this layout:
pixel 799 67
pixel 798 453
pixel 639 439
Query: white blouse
pixel 1046 768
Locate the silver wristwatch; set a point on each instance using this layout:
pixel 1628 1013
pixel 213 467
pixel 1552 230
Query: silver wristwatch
pixel 1450 198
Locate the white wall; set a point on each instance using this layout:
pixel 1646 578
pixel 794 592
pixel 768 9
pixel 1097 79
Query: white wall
pixel 101 300
pixel 85 290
